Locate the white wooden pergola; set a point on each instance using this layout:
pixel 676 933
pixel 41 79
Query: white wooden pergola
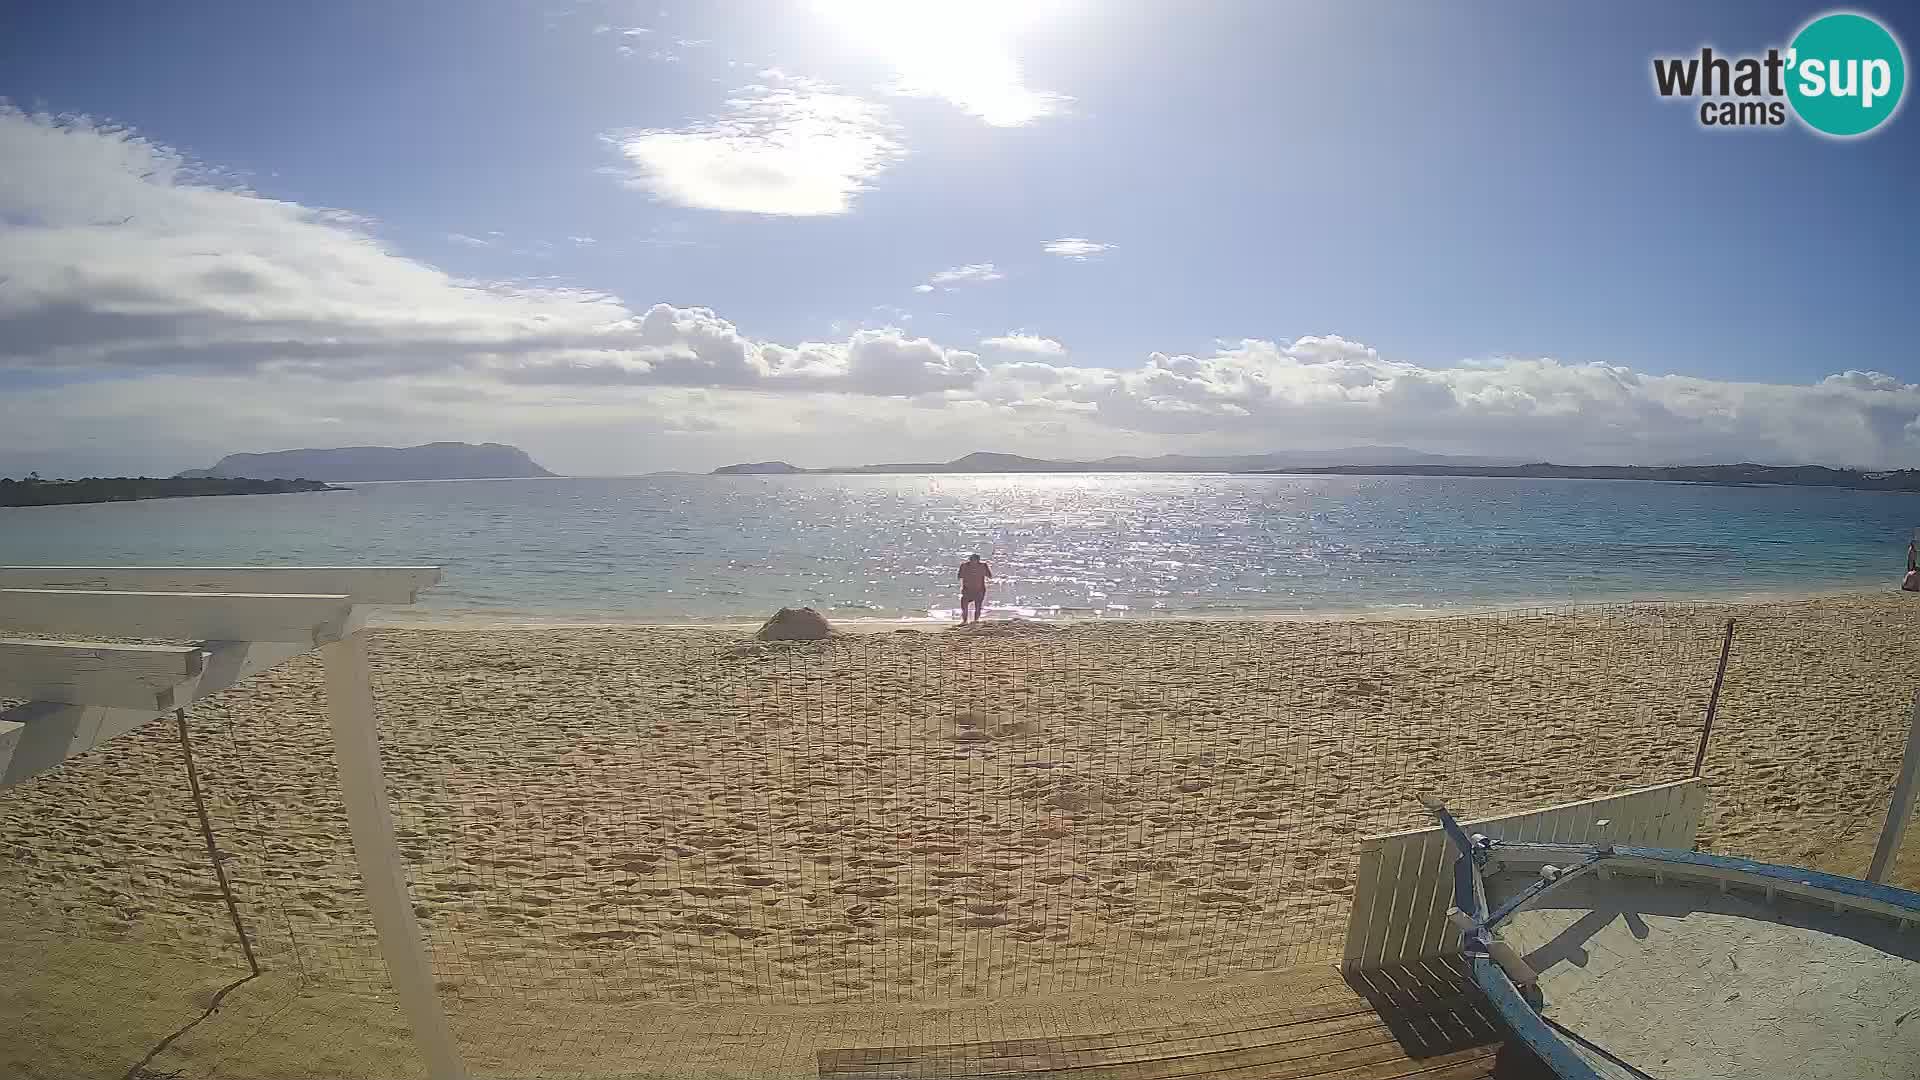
pixel 239 621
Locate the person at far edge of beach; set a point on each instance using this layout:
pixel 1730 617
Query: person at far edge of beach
pixel 1911 583
pixel 973 586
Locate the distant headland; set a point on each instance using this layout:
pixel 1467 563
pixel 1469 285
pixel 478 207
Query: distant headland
pixel 1742 474
pixel 1378 461
pixel 430 461
pixel 34 491
pixel 983 462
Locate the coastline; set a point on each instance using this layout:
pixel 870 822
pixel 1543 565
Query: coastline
pixel 477 619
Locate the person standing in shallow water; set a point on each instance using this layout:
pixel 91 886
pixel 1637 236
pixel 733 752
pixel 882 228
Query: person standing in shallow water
pixel 974 575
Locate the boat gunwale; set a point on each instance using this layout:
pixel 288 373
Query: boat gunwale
pixel 1521 1014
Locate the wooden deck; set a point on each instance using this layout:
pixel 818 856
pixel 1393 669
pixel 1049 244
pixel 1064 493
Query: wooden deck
pixel 1425 1021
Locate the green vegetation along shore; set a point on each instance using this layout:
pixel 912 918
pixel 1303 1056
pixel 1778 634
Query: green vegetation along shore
pixel 1743 474
pixel 34 491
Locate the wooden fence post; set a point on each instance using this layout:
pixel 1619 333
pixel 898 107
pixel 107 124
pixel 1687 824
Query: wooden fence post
pixel 1713 700
pixel 1900 807
pixel 356 747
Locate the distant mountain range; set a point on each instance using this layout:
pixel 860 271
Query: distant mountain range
pixel 431 461
pixel 1744 473
pixel 1384 461
pixel 982 462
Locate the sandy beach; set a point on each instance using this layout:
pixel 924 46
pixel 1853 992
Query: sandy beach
pixel 603 818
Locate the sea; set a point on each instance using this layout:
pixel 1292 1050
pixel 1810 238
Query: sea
pixel 723 548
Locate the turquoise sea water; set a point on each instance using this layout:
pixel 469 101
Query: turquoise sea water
pixel 695 547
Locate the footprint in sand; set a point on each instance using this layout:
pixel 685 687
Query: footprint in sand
pixel 982 922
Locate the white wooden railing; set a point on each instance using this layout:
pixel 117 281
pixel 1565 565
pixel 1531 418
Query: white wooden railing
pixel 1404 884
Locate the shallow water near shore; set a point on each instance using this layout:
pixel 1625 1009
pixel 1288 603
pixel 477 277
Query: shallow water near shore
pixel 1070 546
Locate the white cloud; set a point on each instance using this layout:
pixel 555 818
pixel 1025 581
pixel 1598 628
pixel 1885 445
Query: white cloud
pixel 1076 248
pixel 970 274
pixel 1028 345
pixel 888 362
pixel 986 85
pixel 1866 380
pixel 468 241
pixel 1332 391
pixel 120 254
pixel 143 296
pixel 671 346
pixel 960 52
pixel 790 147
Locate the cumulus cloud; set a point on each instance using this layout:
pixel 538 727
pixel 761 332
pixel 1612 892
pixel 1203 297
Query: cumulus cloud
pixel 694 347
pixel 970 274
pixel 1334 391
pixel 1866 380
pixel 789 146
pixel 122 254
pixel 887 362
pixel 1029 345
pixel 139 291
pixel 1077 248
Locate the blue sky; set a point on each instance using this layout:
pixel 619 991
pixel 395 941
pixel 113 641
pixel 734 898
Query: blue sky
pixel 1440 190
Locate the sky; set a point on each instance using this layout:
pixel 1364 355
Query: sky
pixel 643 236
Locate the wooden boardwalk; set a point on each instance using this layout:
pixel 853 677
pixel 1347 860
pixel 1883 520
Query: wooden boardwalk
pixel 1426 1022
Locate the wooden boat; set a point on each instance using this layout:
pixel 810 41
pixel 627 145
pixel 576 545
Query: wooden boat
pixel 1621 963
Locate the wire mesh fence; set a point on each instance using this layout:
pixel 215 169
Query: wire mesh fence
pixel 1808 741
pixel 115 932
pixel 118 939
pixel 601 817
pixel 1010 812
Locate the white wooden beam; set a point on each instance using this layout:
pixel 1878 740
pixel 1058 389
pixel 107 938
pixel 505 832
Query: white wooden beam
pixel 364 584
pixel 1601 807
pixel 1405 879
pixel 309 619
pixel 363 786
pixel 39 735
pixel 97 673
pixel 1900 806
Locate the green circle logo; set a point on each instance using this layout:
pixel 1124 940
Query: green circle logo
pixel 1846 74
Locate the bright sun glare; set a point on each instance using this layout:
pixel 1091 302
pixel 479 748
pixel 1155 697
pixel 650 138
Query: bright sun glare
pixel 960 51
